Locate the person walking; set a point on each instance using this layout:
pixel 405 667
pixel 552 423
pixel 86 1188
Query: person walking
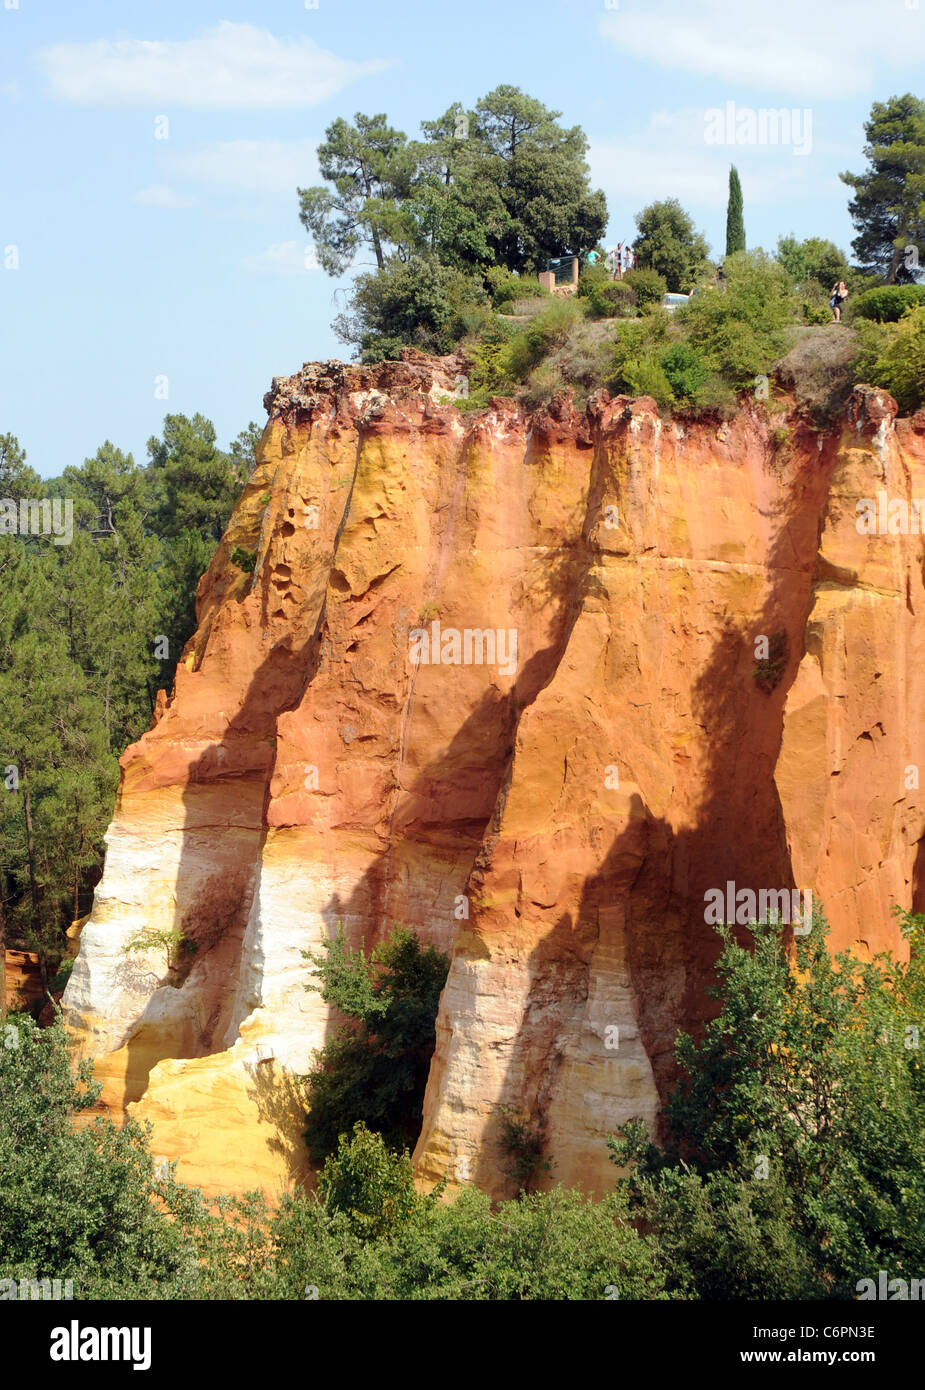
pixel 839 295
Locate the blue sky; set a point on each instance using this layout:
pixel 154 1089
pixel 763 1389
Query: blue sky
pixel 140 258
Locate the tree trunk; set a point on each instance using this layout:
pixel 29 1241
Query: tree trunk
pixel 377 245
pixel 898 253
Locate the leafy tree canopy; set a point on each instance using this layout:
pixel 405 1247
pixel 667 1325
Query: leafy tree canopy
pixel 669 243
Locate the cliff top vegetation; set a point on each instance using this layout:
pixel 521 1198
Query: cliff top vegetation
pixel 461 222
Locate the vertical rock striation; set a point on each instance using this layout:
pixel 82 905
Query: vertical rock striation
pixel 551 810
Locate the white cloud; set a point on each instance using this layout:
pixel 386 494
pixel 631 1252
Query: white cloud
pixel 282 258
pixel 259 166
pixel 817 49
pixel 230 66
pixel 162 197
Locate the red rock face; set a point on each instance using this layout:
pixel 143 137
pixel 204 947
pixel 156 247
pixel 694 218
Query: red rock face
pixel 503 679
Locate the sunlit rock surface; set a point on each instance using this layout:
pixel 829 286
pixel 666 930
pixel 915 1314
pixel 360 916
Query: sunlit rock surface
pixel 551 812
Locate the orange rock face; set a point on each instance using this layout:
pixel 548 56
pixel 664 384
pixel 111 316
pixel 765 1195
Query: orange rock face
pixel 23 979
pixel 534 686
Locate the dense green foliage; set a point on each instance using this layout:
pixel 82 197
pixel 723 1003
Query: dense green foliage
pixel 814 259
pixel 888 207
pixel 714 346
pixel 416 302
pixel 85 1204
pixel 794 1167
pixel 375 1067
pixel 649 286
pixel 888 303
pixel 735 223
pixel 607 298
pixel 75 1203
pixel 795 1160
pixel 669 243
pixel 460 221
pixel 738 333
pixel 893 356
pixel 503 187
pixel 89 630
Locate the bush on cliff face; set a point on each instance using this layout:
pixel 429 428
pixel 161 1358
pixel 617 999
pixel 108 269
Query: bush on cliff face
pixel 795 1160
pixel 375 1067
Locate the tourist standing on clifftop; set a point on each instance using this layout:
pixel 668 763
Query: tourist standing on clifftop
pixel 839 295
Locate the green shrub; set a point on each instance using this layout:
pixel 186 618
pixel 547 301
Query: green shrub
pixel 893 356
pixel 814 298
pixel 548 330
pixel 375 1068
pixel 372 1186
pixel 685 370
pixel 245 560
pixel 522 1142
pixel 715 399
pixel 581 363
pixel 648 286
pixel 814 259
pixel 739 331
pixel 888 303
pixel 621 297
pixel 487 357
pixel 551 1246
pixel 606 298
pixel 768 671
pixel 418 303
pixel 645 376
pixel 505 287
pixel 794 1164
pixel 75 1203
pixel 635 368
pixel 59 983
pixel 544 382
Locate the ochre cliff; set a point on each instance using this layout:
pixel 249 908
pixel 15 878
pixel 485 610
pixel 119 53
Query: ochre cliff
pixel 554 816
pixel 23 980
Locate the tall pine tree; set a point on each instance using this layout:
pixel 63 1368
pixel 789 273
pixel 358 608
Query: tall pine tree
pixel 888 207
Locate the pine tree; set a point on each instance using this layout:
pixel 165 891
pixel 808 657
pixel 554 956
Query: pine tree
pixel 735 226
pixel 888 207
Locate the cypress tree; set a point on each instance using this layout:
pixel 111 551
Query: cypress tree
pixel 735 227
